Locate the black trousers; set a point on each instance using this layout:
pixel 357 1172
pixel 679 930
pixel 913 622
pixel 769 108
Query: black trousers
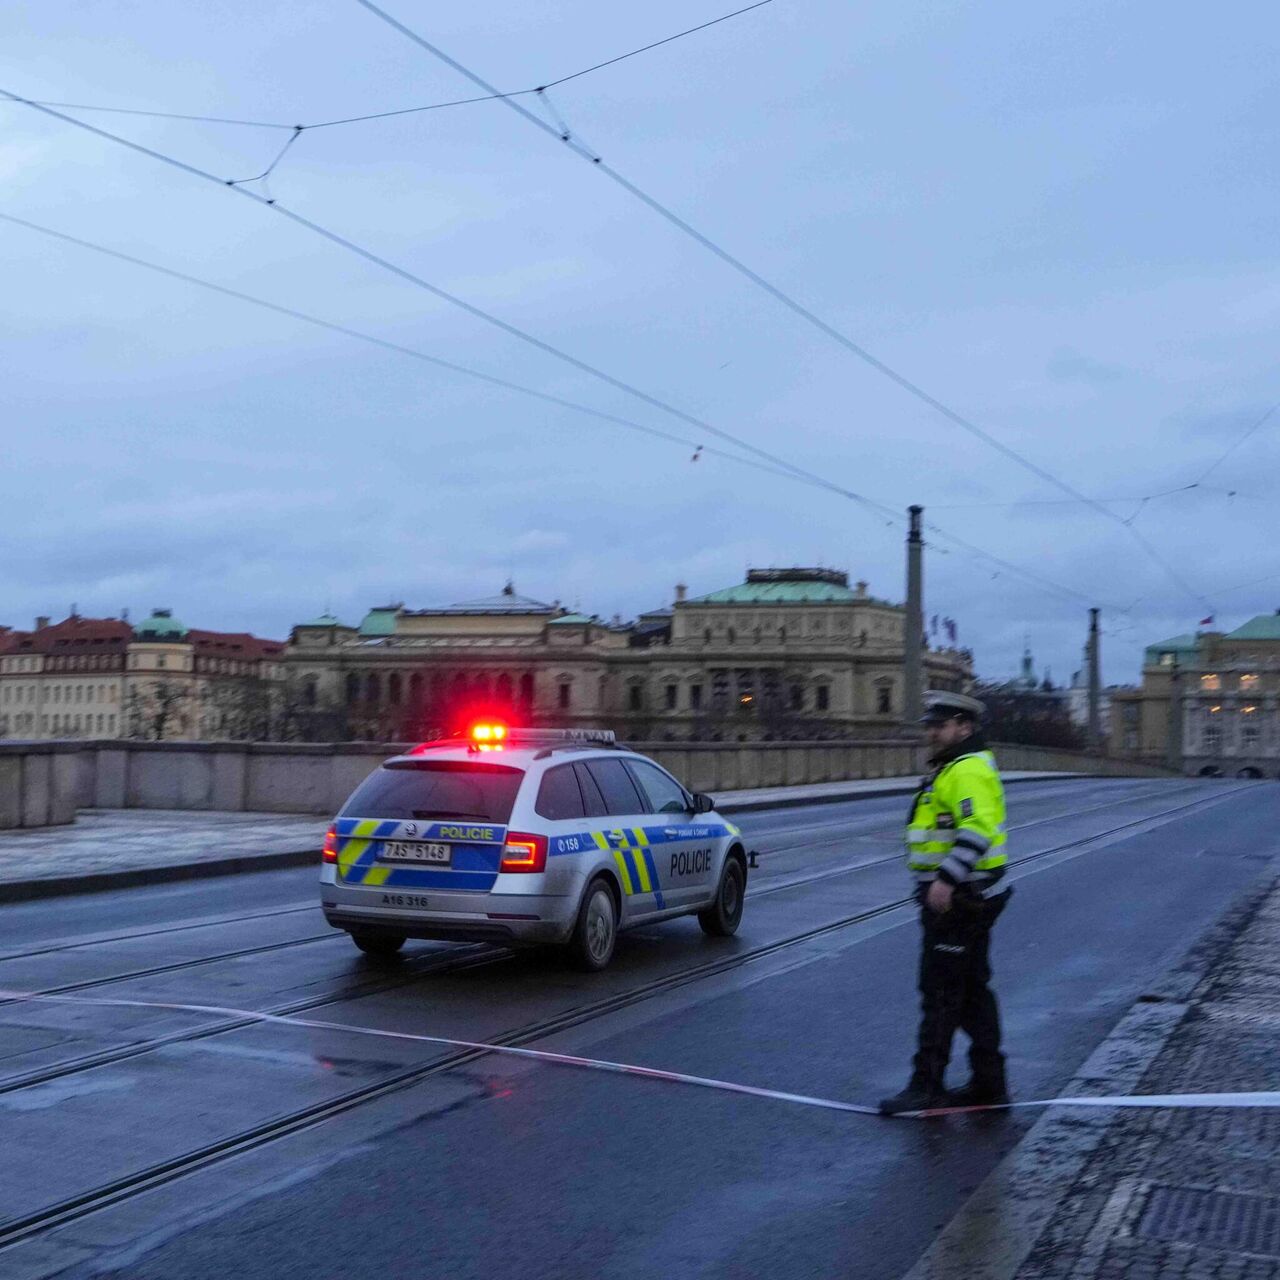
pixel 955 970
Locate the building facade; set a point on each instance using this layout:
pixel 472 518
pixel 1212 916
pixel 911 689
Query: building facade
pixel 103 678
pixel 1209 703
pixel 786 654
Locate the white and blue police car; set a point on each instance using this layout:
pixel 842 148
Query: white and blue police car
pixel 517 836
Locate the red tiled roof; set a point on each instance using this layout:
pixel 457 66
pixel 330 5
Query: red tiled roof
pixel 71 635
pixel 234 644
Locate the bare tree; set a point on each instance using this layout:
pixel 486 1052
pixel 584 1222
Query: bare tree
pixel 150 712
pixel 1036 717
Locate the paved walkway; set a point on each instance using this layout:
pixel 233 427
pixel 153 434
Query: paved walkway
pixel 1190 1194
pixel 106 847
pixel 129 843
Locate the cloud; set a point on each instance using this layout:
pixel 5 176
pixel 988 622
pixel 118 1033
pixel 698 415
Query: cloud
pixel 538 542
pixel 1071 366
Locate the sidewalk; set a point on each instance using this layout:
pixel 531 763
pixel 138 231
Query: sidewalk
pixel 1192 1194
pixel 117 848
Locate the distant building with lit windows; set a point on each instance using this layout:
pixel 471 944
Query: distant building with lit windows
pixel 1209 703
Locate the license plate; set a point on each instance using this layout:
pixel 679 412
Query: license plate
pixel 416 851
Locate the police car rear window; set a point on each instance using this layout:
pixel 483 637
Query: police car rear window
pixel 437 789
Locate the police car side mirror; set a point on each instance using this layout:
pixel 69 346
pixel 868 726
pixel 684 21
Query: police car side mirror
pixel 703 803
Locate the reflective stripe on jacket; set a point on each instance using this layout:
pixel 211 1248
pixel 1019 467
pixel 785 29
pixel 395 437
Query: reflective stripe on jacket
pixel 956 830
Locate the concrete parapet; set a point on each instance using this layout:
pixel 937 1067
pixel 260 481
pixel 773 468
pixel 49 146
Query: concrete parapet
pixel 41 783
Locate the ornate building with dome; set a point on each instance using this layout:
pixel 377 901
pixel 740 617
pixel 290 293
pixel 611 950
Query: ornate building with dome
pixel 789 653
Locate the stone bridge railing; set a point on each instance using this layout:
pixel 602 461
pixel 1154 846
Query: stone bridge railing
pixel 43 784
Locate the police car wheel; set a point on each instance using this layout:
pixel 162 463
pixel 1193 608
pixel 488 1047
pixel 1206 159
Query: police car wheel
pixel 596 932
pixel 722 917
pixel 380 945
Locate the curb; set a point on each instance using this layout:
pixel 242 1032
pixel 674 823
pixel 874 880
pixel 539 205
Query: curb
pixel 170 873
pixel 994 1232
pixel 101 881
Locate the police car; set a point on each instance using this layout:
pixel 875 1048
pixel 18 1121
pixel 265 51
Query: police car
pixel 527 836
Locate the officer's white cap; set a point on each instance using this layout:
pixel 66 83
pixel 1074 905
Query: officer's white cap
pixel 941 705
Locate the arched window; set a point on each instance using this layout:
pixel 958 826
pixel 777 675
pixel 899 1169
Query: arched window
pixel 884 697
pixel 353 687
pixel 415 688
pixel 504 691
pixel 526 689
pixel 372 689
pixel 394 688
pixel 437 688
pixel 309 693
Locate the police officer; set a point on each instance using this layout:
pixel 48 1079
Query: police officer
pixel 955 850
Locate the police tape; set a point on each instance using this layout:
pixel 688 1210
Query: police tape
pixel 1165 1100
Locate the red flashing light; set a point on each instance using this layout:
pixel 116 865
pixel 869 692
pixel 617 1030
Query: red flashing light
pixel 488 732
pixel 329 850
pixel 523 852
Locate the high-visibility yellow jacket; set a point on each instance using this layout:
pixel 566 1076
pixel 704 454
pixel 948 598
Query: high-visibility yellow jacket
pixel 956 830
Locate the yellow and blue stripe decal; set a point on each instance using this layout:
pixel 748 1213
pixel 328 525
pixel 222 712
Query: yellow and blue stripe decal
pixel 474 864
pixel 477 851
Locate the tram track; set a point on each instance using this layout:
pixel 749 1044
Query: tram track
pixel 479 955
pixel 133 935
pixel 334 936
pixel 23 1227
pixel 895 832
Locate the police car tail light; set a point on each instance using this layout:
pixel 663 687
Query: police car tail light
pixel 522 852
pixel 329 850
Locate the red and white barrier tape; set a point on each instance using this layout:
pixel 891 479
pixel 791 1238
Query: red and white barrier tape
pixel 1255 1099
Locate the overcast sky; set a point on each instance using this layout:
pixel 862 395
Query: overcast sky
pixel 1058 218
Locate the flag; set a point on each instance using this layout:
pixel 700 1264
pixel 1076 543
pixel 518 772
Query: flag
pixel 933 625
pixel 1207 622
pixel 950 625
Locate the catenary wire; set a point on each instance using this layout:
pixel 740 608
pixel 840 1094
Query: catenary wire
pixel 506 384
pixel 403 111
pixel 280 155
pixel 1235 444
pixel 791 303
pixel 387 344
pixel 444 295
pixel 891 514
pixel 165 115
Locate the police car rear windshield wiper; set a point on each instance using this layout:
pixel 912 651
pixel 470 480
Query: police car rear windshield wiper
pixel 450 813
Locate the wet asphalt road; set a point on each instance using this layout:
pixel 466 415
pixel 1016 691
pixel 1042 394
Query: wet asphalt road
pixel 501 1167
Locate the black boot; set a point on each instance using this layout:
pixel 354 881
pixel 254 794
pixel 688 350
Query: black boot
pixel 979 1092
pixel 923 1093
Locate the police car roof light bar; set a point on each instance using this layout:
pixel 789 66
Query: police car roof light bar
pixel 489 736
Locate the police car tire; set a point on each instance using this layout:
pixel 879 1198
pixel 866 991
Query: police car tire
pixel 382 946
pixel 722 917
pixel 588 949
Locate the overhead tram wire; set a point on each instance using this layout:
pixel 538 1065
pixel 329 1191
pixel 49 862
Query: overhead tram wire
pixel 404 111
pixel 912 388
pixel 889 513
pixel 1235 444
pixel 388 345
pixel 444 295
pixel 493 380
